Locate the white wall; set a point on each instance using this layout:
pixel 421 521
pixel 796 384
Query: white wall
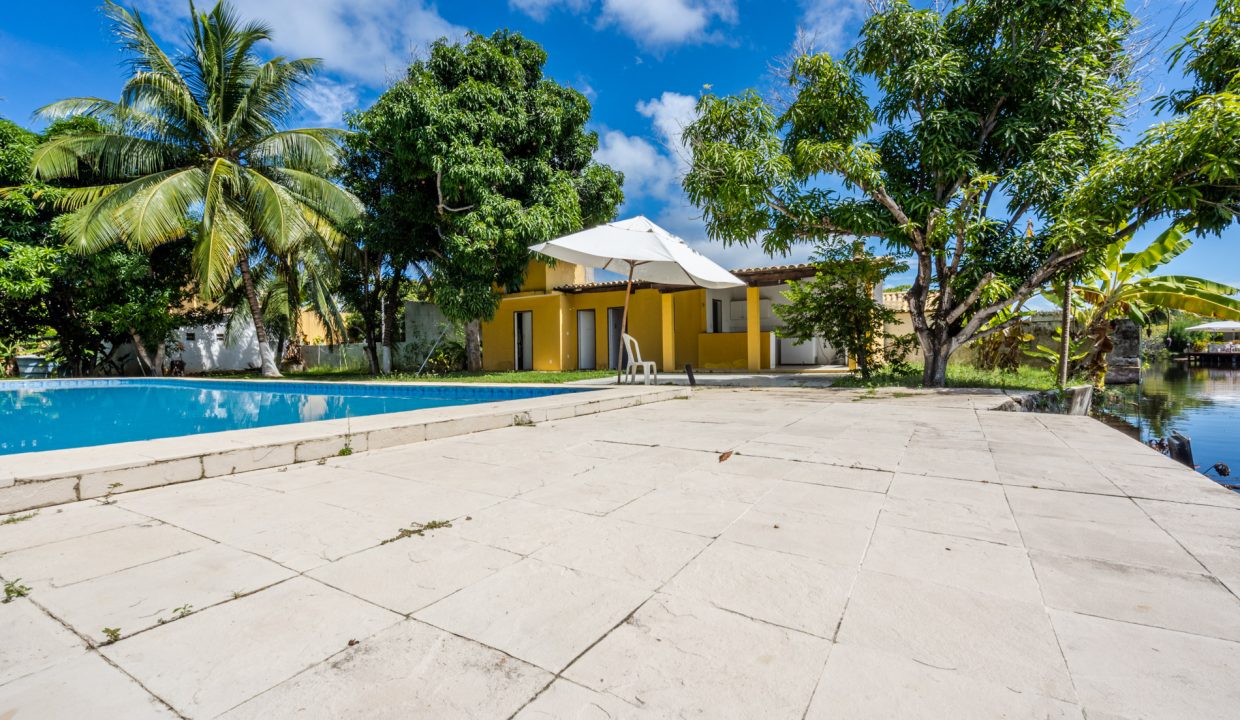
pixel 209 351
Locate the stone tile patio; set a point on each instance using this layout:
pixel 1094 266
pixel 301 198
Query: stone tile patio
pixel 857 556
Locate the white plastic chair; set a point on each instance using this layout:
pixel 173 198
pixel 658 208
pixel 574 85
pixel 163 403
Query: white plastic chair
pixel 635 361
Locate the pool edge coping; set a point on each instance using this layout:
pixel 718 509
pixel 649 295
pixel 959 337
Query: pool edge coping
pixel 53 477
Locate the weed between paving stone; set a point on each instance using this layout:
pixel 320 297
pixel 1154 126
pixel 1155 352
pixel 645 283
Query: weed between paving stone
pixel 14 519
pixel 112 634
pixel 107 498
pixel 418 529
pixel 184 611
pixel 14 589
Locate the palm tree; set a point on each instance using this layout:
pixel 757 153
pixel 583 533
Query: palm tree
pixel 194 146
pixel 1121 286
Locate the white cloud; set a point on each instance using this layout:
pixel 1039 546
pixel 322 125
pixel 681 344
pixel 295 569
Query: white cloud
pixel 369 41
pixel 661 23
pixel 653 170
pixel 539 9
pixel 648 171
pixel 671 113
pixel 653 24
pixel 828 25
pixel 327 101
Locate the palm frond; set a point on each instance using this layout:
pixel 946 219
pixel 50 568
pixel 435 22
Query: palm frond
pixel 110 156
pixel 306 149
pixel 274 213
pixel 326 197
pixel 270 97
pixel 99 223
pixel 161 211
pixel 223 234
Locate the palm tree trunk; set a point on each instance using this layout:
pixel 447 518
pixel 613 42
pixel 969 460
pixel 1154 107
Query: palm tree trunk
pixel 265 352
pixel 293 287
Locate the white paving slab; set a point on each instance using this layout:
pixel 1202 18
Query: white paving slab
pixel 89 556
pixel 410 670
pixel 84 687
pixel 1122 670
pixel 861 684
pixel 409 574
pixel 159 592
pixel 33 641
pixel 787 590
pixel 541 613
pixel 679 657
pixel 697 514
pixel 212 661
pixel 620 551
pixel 624 551
pixel 993 639
pixel 1190 602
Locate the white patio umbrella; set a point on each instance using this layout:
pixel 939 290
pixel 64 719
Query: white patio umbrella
pixel 645 251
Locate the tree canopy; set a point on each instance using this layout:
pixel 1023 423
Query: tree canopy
pixel 471 158
pixel 195 145
pixel 982 117
pixel 76 309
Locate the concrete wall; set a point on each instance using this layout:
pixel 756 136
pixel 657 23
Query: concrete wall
pixel 207 349
pixel 423 319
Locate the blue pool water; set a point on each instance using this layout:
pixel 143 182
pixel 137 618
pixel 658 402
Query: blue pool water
pixel 56 414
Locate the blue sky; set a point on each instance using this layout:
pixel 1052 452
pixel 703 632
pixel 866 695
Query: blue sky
pixel 641 62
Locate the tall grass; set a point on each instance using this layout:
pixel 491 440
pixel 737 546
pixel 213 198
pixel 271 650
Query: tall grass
pixel 960 376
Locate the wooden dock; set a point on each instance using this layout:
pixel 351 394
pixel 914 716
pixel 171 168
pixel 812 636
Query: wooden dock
pixel 1214 359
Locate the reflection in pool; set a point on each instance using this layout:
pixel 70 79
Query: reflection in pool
pixel 56 414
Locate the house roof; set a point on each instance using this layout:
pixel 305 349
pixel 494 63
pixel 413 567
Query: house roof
pixel 755 277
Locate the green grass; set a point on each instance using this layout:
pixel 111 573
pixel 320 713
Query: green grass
pixel 531 376
pixel 959 376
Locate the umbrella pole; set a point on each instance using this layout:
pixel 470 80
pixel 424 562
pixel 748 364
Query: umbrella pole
pixel 624 321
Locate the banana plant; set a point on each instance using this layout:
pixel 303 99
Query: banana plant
pixel 1122 285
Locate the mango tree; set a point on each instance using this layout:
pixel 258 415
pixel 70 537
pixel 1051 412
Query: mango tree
pixel 467 161
pixel 942 134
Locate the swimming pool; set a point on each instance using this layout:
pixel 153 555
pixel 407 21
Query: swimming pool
pixel 40 415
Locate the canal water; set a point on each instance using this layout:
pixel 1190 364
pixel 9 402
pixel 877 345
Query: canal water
pixel 1202 403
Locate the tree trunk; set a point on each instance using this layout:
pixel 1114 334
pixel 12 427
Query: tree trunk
pixel 161 353
pixel 293 288
pixel 145 364
pixel 473 345
pixel 390 300
pixel 1065 331
pixel 936 352
pixel 265 352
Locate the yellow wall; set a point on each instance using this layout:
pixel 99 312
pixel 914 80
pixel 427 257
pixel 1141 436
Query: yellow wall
pixel 555 326
pixel 498 349
pixel 544 277
pixel 689 309
pixel 645 323
pixel 730 351
pixel 313 328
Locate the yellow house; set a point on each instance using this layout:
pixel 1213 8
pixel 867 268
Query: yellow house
pixel 561 320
